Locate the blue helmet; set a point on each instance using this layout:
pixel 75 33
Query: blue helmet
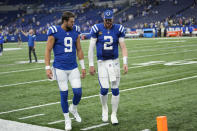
pixel 108 14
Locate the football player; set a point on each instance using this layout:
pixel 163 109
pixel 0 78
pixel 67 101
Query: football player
pixel 65 42
pixel 106 37
pixel 31 43
pixel 19 38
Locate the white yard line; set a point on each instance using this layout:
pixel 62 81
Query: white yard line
pixel 55 122
pixel 119 58
pixel 27 108
pixel 131 67
pixel 166 38
pixel 20 70
pixel 163 54
pixel 144 39
pixel 171 41
pixel 6 125
pixel 26 117
pixel 29 82
pixel 163 38
pixel 59 121
pixel 157 49
pixel 160 83
pixel 87 97
pixel 95 126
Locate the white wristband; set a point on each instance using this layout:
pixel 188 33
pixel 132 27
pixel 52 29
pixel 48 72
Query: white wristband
pixel 91 63
pixel 47 67
pixel 125 60
pixel 82 64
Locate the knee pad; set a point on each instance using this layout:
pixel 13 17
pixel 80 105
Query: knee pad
pixel 103 91
pixel 115 91
pixel 77 91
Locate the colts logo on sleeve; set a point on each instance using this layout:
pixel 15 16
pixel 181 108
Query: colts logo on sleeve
pixel 100 33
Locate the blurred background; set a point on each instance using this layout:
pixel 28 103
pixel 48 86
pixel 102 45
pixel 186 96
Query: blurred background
pixel 142 18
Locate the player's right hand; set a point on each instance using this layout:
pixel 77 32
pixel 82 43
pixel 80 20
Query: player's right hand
pixel 49 73
pixel 83 73
pixel 92 70
pixel 125 68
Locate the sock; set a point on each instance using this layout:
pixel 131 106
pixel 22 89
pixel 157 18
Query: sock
pixel 115 102
pixel 77 96
pixel 66 116
pixel 104 99
pixel 64 101
pixel 74 107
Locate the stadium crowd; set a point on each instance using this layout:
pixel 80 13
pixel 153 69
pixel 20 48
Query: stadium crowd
pixel 49 14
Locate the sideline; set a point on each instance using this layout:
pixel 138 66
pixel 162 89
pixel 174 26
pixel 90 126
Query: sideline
pixel 7 125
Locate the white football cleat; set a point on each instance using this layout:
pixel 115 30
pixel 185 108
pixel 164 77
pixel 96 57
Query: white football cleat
pixel 114 119
pixel 104 115
pixel 75 113
pixel 68 125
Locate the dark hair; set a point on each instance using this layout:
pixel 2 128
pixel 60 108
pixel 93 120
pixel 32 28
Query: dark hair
pixel 66 15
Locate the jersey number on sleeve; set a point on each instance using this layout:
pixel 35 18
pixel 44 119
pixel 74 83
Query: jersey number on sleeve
pixel 68 44
pixel 108 45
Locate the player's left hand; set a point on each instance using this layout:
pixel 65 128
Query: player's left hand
pixel 83 73
pixel 49 74
pixel 125 68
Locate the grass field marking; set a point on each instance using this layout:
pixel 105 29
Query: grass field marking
pixel 171 41
pixel 58 121
pixel 127 48
pixel 163 38
pixel 167 63
pixel 160 83
pixel 151 64
pixel 87 97
pixel 173 52
pixel 95 126
pixel 156 49
pixel 55 122
pixel 26 117
pixel 20 70
pixel 29 82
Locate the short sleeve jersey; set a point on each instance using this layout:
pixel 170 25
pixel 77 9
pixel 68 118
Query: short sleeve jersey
pixel 31 39
pixel 64 47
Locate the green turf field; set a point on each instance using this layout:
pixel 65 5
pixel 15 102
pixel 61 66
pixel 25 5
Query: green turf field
pixel 162 80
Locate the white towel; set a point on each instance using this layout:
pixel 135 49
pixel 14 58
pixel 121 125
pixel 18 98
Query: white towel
pixel 53 73
pixel 111 70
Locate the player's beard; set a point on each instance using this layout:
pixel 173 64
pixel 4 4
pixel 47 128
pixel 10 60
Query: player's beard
pixel 68 28
pixel 108 24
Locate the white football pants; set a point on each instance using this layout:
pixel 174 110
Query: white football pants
pixel 63 76
pixel 109 70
